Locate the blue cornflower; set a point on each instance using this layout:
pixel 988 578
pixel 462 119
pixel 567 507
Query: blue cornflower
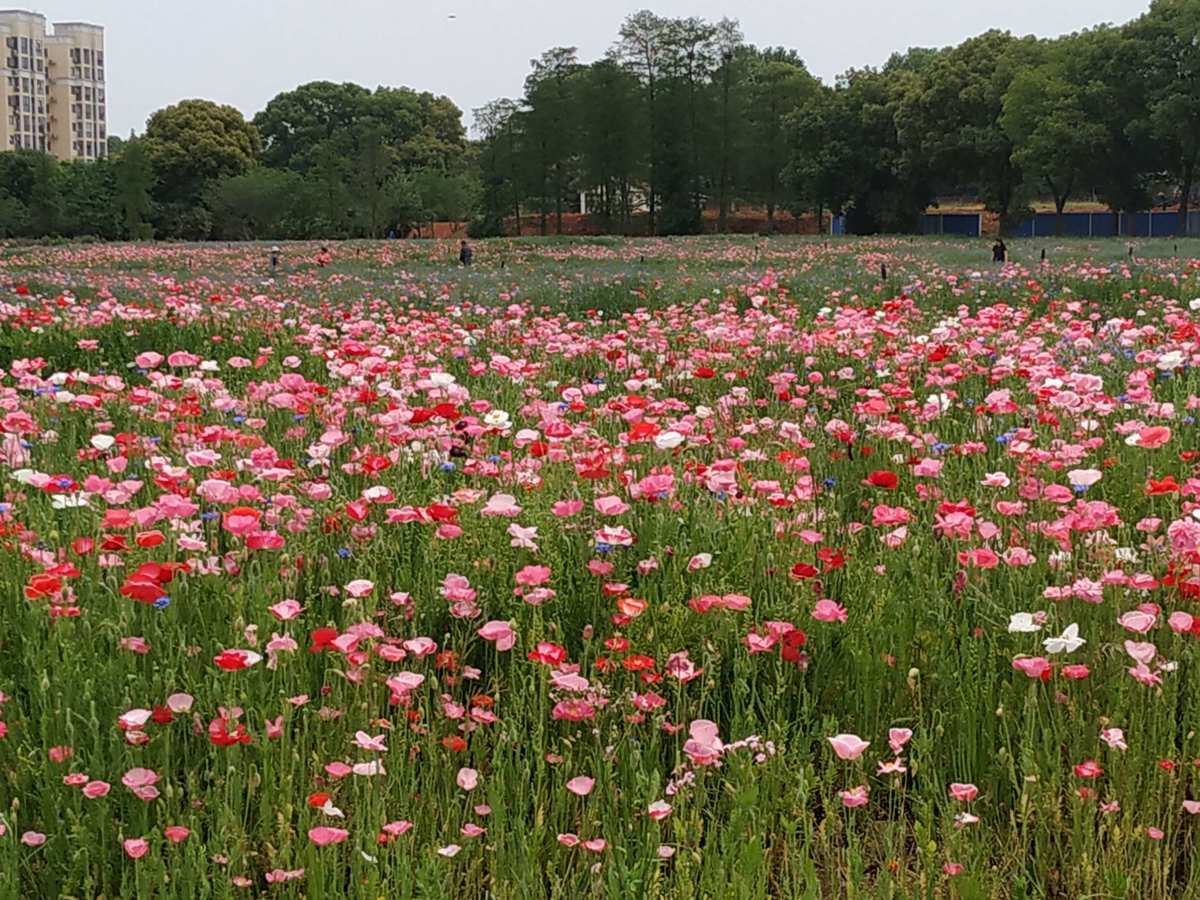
pixel 162 602
pixel 448 467
pixel 344 552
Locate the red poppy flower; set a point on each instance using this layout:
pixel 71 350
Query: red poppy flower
pixel 321 638
pixel 882 478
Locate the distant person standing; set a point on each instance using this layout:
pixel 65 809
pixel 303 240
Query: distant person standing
pixel 275 251
pixel 324 258
pixel 999 251
pixel 465 253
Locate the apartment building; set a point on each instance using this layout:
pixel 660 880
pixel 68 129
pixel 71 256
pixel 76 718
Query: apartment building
pixel 52 86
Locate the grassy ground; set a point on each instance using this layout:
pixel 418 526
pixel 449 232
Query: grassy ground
pixel 592 548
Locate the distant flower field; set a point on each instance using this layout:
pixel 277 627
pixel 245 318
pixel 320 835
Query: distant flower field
pixel 697 568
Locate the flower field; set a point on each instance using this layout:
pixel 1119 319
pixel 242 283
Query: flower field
pixel 695 568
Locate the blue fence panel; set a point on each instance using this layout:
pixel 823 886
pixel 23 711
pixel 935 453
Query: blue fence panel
pixel 1077 224
pixel 1164 224
pixel 1143 224
pixel 837 225
pixel 1104 224
pixel 930 223
pixel 1046 224
pixel 966 224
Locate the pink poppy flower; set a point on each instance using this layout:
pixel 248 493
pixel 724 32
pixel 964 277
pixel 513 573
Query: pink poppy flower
pixel 501 633
pixel 703 746
pixel 581 785
pixel 964 793
pixel 360 587
pixel 658 810
pixel 93 790
pixel 828 611
pixel 323 835
pixel 855 797
pixel 898 737
pixel 848 746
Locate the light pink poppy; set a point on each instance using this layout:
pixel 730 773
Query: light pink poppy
pixel 500 633
pixel 898 737
pixel 855 797
pixel 581 785
pixel 323 835
pixel 848 746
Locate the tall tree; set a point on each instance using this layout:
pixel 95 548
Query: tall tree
pixel 499 158
pixel 697 56
pixel 823 168
pixel 1054 139
pixel 953 120
pixel 1170 33
pixel 645 46
pixel 611 153
pixel 778 85
pixel 89 199
pixel 197 141
pixel 1109 70
pixel 134 182
pixel 729 115
pixel 550 128
pixel 295 123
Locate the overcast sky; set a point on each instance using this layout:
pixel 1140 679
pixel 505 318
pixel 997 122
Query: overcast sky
pixel 243 52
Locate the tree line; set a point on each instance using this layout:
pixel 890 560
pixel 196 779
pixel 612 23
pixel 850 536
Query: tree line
pixel 682 115
pixel 322 161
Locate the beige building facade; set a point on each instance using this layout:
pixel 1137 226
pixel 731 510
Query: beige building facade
pixel 52 86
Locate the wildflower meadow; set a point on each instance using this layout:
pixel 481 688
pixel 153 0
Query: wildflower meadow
pixel 698 568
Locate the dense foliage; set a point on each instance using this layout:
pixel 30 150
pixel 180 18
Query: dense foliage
pixel 323 160
pixel 681 116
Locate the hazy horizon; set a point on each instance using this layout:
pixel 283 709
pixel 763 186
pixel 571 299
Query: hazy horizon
pixel 243 54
